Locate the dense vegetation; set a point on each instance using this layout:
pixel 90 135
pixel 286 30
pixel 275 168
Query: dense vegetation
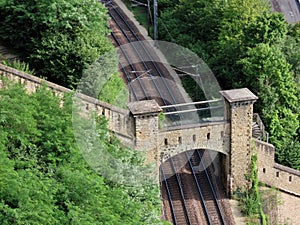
pixel 246 45
pixel 251 201
pixel 58 38
pixel 44 178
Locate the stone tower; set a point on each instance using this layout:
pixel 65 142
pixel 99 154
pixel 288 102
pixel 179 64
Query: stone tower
pixel 145 115
pixel 239 107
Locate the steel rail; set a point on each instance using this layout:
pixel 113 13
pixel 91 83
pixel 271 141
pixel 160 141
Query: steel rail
pixel 181 192
pixel 198 189
pixel 132 67
pixel 146 51
pixel 169 195
pixel 212 190
pixel 130 83
pixel 148 54
pixel 137 52
pixel 124 71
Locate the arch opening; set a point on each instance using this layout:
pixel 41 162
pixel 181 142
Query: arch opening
pixel 188 180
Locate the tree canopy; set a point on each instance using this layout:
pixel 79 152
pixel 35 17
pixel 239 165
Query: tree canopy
pixel 43 176
pixel 58 38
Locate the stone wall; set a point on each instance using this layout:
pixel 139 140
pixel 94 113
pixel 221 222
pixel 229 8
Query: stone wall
pixel 212 136
pixel 139 128
pixel 120 121
pixel 274 174
pixel 240 145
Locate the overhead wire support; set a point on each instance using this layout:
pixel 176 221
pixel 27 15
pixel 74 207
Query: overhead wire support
pixel 131 66
pixel 148 55
pixel 155 22
pixel 138 3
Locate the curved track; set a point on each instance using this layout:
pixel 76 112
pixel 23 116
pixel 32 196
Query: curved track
pixel 139 61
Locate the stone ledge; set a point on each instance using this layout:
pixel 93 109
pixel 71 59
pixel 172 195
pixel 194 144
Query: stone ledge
pixel 5 70
pixel 146 107
pixel 286 169
pixel 239 95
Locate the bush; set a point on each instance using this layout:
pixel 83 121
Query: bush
pixel 58 38
pixel 251 203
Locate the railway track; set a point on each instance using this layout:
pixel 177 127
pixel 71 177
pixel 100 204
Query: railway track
pixel 177 198
pixel 147 78
pixel 192 198
pixel 138 61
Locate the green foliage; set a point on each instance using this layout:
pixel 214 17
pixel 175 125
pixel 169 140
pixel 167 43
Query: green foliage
pixel 250 200
pixel 268 28
pixel 294 31
pixel 57 38
pixel 233 41
pixel 161 119
pixel 17 64
pixel 43 176
pixel 140 12
pixel 271 198
pixel 115 92
pixel 279 105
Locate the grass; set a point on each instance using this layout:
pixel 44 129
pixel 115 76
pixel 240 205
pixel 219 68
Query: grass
pixel 140 13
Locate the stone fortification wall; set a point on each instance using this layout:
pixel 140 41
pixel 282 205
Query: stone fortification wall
pixel 274 174
pixel 119 120
pixel 174 140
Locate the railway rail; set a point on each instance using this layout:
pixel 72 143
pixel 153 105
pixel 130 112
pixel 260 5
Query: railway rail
pixel 139 58
pixel 190 192
pixel 146 77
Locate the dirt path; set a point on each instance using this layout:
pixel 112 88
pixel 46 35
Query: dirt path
pixel 289 209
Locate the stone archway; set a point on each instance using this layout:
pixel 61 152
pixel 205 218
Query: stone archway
pixel 232 136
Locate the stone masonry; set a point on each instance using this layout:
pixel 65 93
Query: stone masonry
pixel 274 174
pixel 119 120
pixel 231 137
pixel 240 106
pixel 145 115
pixel 211 136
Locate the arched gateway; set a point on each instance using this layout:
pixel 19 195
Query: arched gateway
pixel 140 127
pixel 231 136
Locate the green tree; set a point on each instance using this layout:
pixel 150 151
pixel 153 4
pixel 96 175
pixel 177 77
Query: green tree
pixel 44 178
pixel 246 45
pixel 57 38
pixel 274 82
pixel 232 42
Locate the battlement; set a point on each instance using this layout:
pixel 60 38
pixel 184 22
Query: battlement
pixel 139 127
